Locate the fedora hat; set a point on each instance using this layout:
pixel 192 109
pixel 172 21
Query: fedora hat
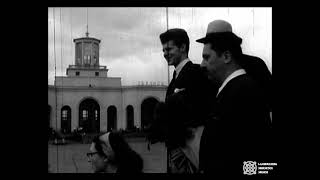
pixel 216 27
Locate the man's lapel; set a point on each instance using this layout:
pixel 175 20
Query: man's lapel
pixel 183 70
pixel 174 82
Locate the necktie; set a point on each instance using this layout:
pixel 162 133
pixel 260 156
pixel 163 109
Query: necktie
pixel 170 87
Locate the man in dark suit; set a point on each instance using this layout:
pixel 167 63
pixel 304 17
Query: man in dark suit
pixel 259 71
pixel 189 79
pixel 241 130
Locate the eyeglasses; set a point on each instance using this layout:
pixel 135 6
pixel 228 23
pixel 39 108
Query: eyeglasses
pixel 90 154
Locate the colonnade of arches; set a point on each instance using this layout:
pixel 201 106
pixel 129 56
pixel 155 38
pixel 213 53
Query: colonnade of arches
pixel 89 115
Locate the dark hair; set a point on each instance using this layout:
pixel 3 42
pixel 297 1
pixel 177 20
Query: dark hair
pixel 97 144
pixel 179 37
pixel 126 158
pixel 225 41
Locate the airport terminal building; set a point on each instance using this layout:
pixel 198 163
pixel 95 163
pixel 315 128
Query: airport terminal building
pixel 86 97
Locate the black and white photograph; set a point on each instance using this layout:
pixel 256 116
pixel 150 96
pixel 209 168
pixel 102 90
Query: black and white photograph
pixel 176 90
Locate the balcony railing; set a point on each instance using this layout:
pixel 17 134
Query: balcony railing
pixel 87 67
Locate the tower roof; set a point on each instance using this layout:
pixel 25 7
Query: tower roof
pixel 86 38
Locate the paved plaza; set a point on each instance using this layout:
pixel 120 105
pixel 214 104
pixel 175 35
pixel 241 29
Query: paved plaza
pixel 72 157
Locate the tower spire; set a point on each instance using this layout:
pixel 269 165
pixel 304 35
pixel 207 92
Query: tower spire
pixel 87 33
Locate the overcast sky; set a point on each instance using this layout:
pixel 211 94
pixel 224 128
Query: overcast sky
pixel 130 45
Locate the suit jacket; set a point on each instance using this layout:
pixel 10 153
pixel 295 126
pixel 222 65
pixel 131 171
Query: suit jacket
pixel 240 130
pixel 198 97
pixel 199 91
pixel 186 108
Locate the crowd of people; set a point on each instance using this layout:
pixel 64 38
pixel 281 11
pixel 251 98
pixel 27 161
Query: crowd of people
pixel 215 116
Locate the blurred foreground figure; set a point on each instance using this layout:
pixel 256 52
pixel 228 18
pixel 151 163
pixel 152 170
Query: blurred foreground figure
pixel 110 153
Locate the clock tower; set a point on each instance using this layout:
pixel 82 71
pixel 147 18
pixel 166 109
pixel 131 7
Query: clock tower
pixel 87 58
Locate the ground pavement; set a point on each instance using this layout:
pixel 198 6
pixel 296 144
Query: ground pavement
pixel 72 157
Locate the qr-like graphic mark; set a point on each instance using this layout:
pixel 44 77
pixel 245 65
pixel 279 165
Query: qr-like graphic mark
pixel 249 167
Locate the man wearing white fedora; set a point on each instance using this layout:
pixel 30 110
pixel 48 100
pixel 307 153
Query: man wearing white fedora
pixel 241 130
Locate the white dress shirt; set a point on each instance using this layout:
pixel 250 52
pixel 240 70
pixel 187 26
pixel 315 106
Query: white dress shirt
pixel 192 148
pixel 181 65
pixel 231 76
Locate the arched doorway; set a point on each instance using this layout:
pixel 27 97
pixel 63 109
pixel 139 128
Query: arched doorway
pixel 66 119
pixel 130 117
pixel 147 108
pixel 49 116
pixel 89 116
pixel 112 118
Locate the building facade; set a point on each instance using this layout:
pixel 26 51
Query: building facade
pixel 88 98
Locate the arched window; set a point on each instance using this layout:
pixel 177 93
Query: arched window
pixel 49 116
pixel 66 119
pixel 112 118
pixel 147 111
pixel 96 115
pixel 130 117
pixel 89 115
pixel 85 115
